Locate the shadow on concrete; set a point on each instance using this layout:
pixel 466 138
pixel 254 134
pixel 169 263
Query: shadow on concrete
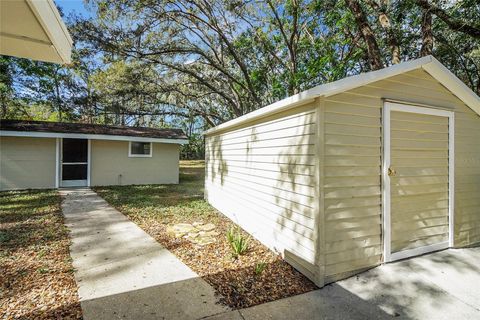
pixel 186 299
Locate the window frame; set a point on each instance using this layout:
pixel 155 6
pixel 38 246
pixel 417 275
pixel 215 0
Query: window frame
pixel 132 155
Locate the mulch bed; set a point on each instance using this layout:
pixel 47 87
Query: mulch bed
pixel 234 279
pixel 155 209
pixel 36 273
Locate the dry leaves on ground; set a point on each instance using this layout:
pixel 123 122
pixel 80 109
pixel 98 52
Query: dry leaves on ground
pixel 157 208
pixel 36 274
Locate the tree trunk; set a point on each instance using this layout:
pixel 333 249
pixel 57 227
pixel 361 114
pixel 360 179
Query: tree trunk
pixel 57 96
pixel 374 55
pixel 453 23
pixel 427 34
pixel 384 21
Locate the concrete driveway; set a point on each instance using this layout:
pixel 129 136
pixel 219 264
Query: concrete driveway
pixel 441 285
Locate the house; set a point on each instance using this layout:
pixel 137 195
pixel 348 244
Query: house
pixel 37 154
pixel 348 175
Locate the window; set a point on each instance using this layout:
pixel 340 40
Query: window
pixel 139 149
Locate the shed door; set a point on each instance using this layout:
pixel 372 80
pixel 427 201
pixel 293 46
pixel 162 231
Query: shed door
pixel 74 163
pixel 417 172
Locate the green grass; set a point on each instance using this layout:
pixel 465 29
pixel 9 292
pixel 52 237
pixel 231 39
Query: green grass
pixel 30 218
pixel 166 203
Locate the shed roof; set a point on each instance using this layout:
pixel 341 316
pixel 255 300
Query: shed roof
pixel 428 63
pixel 89 131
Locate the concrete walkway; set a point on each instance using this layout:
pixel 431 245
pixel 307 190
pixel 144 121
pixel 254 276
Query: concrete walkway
pixel 442 285
pixel 123 273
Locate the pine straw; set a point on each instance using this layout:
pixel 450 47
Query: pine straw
pixel 154 208
pixel 36 274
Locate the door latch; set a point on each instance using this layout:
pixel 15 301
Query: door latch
pixel 391 172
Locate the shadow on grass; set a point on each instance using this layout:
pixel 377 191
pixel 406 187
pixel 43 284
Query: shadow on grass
pixel 34 257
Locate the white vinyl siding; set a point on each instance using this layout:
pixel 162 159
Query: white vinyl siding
pixel 263 178
pixel 467 176
pixel 353 168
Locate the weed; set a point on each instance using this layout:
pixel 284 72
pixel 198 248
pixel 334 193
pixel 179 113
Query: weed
pixel 43 270
pixel 238 242
pixel 259 267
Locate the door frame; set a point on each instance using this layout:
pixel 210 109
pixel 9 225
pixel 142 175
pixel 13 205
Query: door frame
pixel 388 107
pixel 59 163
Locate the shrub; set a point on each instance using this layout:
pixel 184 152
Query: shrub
pixel 238 242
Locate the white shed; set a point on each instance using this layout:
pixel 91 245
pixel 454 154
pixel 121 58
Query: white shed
pixel 348 175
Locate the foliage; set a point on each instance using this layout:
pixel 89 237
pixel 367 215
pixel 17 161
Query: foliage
pixel 259 268
pixel 238 242
pixel 195 64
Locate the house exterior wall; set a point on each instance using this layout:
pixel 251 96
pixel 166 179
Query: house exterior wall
pixel 27 163
pixel 353 155
pixel 111 165
pixel 263 177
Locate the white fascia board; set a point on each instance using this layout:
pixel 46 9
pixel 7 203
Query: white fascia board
pixel 452 83
pixel 48 16
pixel 6 133
pixel 279 106
pixel 324 90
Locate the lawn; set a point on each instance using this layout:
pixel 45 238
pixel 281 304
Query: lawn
pixel 252 278
pixel 36 274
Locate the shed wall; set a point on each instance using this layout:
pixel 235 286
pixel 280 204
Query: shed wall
pixel 111 165
pixel 263 177
pixel 353 168
pixel 27 163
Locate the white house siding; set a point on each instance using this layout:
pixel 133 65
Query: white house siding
pixel 353 169
pixel 262 176
pixel 467 176
pixel 111 165
pixel 27 163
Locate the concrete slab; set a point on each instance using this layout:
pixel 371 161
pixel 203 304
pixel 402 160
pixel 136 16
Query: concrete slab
pixel 331 302
pixel 442 285
pixel 122 272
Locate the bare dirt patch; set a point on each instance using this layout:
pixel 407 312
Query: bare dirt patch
pixel 258 276
pixel 36 273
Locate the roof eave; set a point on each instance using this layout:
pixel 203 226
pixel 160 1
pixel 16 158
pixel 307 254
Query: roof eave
pixel 48 16
pixel 36 134
pixel 452 83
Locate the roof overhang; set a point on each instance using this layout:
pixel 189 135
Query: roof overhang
pixel 33 29
pixel 5 133
pixel 429 64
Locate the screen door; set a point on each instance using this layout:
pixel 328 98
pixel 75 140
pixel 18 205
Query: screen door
pixel 74 162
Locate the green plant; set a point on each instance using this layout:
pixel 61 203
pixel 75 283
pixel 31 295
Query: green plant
pixel 43 270
pixel 259 267
pixel 238 242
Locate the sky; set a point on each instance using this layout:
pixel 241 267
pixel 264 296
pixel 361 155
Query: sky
pixel 72 6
